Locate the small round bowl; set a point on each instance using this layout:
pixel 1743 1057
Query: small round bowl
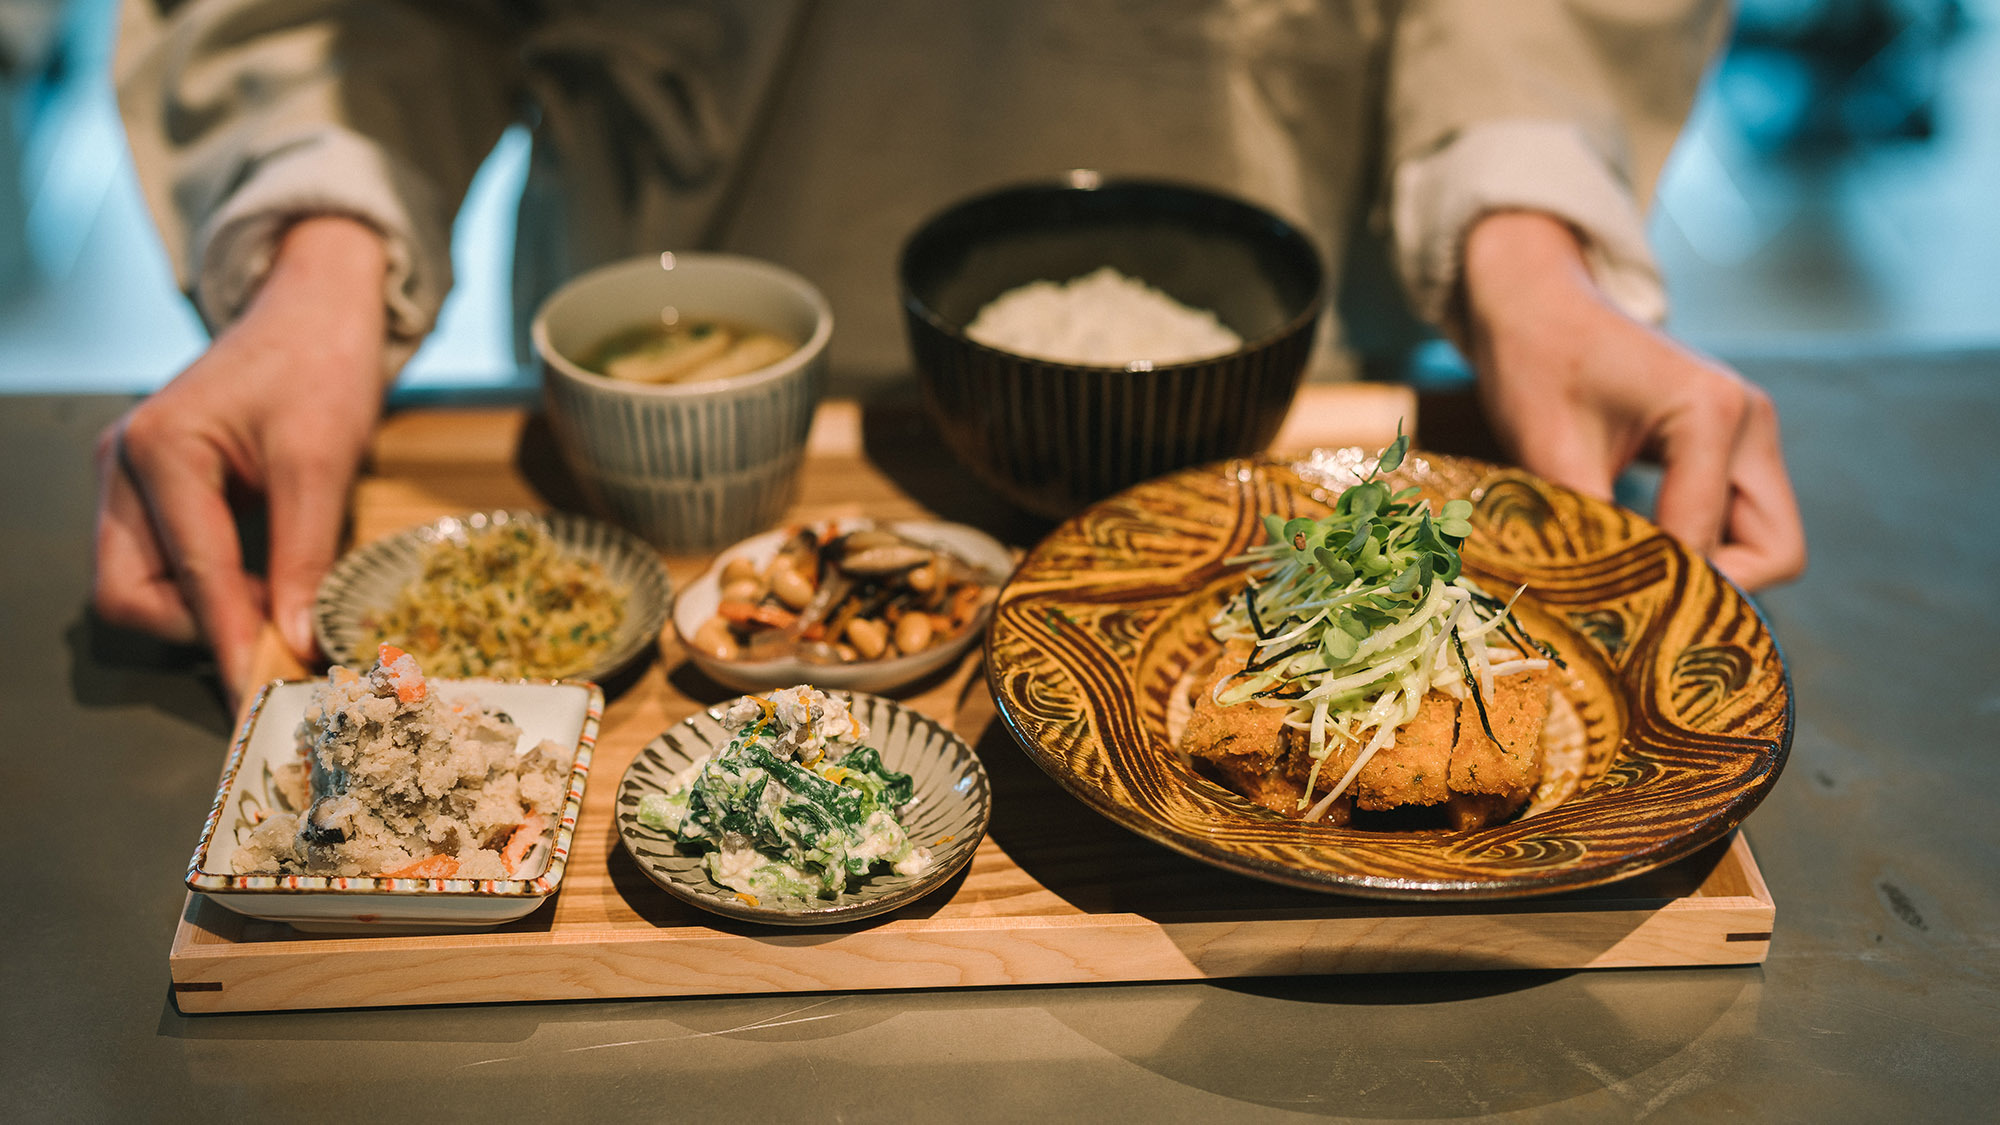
pixel 698 601
pixel 688 466
pixel 1054 437
pixel 950 813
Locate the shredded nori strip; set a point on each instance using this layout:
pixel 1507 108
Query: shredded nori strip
pixel 1259 666
pixel 1472 682
pixel 1250 605
pixel 1529 639
pixel 1512 628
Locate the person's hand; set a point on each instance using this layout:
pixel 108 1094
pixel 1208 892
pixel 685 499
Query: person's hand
pixel 282 404
pixel 1576 391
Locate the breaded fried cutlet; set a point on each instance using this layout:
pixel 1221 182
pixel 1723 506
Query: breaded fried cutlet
pixel 1510 767
pixel 1441 758
pixel 1415 770
pixel 1244 746
pixel 1491 781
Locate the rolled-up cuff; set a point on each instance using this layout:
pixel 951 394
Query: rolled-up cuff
pixel 329 173
pixel 1525 165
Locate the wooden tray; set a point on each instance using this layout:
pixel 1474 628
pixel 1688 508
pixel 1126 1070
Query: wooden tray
pixel 1055 893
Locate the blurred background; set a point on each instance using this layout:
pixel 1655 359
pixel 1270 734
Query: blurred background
pixel 1835 193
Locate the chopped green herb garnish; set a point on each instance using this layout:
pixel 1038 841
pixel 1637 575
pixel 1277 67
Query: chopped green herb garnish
pixel 1355 616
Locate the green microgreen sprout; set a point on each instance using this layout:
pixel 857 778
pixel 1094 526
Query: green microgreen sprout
pixel 1355 615
pixel 1377 533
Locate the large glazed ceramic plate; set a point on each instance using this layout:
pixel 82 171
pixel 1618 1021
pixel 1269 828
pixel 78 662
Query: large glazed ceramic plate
pixel 953 804
pixel 368 579
pixel 1684 696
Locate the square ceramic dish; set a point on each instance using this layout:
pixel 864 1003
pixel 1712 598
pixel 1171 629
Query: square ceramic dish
pixel 567 712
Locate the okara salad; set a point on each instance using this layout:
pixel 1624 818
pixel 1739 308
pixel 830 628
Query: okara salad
pixel 795 806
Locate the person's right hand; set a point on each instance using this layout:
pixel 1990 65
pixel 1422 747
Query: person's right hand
pixel 1576 391
pixel 282 403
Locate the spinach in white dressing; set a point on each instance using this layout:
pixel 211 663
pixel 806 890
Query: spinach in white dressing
pixel 796 805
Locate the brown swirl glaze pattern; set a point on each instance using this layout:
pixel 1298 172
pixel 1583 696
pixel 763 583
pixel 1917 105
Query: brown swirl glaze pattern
pixel 1683 692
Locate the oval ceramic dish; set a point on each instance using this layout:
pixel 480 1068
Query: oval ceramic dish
pixel 1683 693
pixel 367 579
pixel 697 603
pixel 953 804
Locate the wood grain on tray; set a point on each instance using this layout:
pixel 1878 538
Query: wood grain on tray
pixel 1055 893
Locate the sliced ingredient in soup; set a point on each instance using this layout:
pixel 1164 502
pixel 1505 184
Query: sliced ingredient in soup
pixel 693 350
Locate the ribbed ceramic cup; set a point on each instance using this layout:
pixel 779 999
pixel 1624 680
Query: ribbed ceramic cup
pixel 1054 437
pixel 690 467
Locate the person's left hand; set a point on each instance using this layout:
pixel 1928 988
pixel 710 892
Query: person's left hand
pixel 1576 391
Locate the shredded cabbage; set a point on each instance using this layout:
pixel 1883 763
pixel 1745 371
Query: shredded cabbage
pixel 1352 618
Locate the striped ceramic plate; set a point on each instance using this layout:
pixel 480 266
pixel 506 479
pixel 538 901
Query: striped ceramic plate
pixel 367 579
pixel 953 804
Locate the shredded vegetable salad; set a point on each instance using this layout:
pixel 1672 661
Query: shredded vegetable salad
pixel 503 601
pixel 1354 617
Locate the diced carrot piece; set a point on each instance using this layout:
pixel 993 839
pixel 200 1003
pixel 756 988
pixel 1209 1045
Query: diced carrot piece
pixel 429 867
pixel 409 690
pixel 523 840
pixel 743 613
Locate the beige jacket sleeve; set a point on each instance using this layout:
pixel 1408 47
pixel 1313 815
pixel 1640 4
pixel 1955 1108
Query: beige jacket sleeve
pixel 1564 106
pixel 244 115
